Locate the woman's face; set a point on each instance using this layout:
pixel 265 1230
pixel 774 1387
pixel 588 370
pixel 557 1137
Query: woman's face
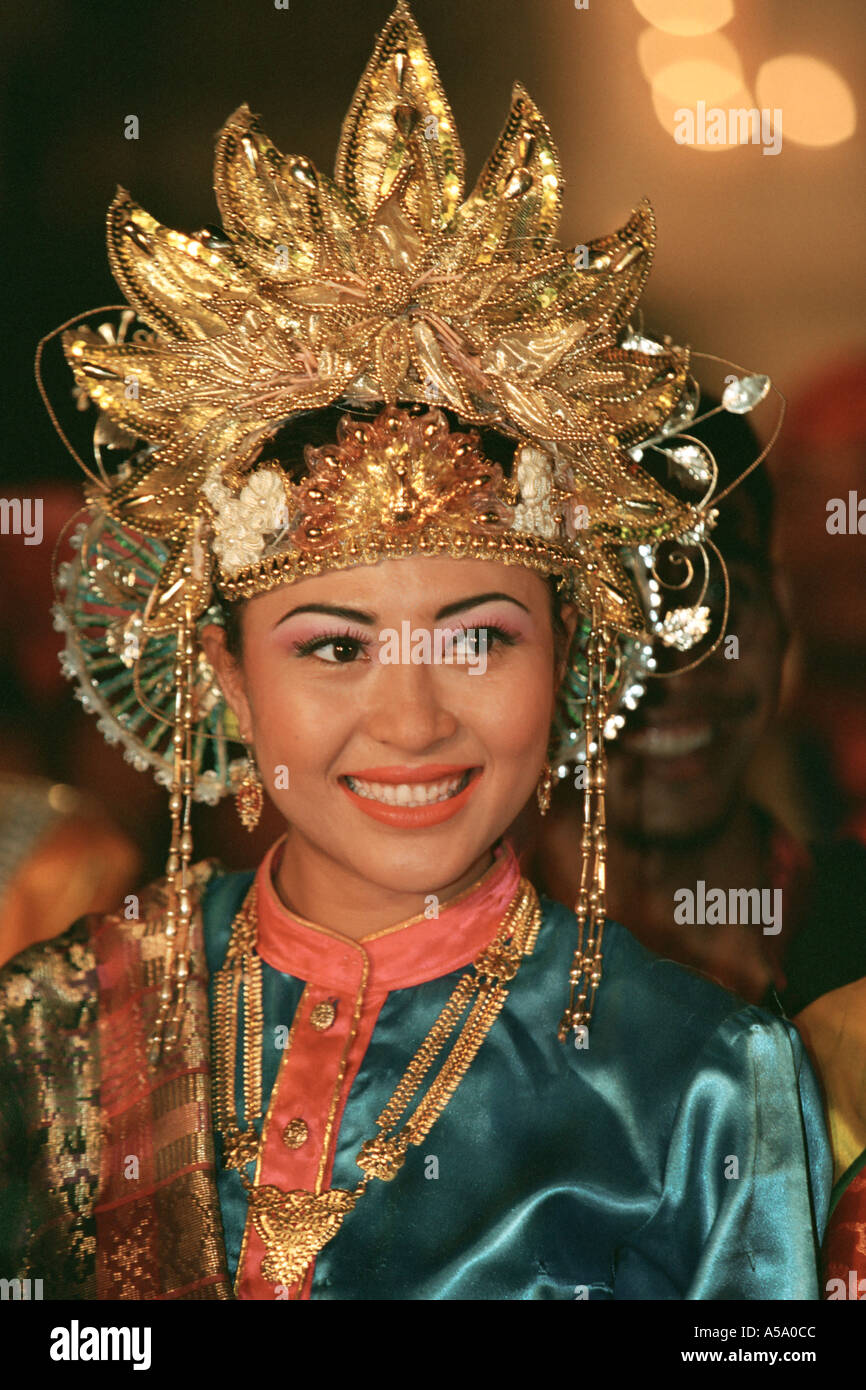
pixel 382 755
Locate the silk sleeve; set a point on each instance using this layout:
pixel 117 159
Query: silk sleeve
pixel 747 1176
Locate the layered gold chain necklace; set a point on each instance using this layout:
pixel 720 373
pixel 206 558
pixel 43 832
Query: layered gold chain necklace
pixel 295 1226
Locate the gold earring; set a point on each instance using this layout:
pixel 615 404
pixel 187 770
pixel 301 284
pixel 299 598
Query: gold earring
pixel 249 797
pixel 544 788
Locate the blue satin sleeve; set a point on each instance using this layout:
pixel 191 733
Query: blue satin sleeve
pixel 737 1219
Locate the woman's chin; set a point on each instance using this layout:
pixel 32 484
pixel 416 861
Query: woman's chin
pixel 426 865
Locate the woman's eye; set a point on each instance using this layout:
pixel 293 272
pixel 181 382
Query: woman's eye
pixel 336 651
pixel 744 588
pixel 340 650
pixel 471 642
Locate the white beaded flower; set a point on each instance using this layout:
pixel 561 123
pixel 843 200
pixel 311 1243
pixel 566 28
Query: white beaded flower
pixel 243 523
pixel 534 512
pixel 684 627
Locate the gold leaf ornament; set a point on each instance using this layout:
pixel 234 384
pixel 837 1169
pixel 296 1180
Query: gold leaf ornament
pixel 400 119
pixel 295 1226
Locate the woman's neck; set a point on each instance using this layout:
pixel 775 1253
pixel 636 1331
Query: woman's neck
pixel 313 886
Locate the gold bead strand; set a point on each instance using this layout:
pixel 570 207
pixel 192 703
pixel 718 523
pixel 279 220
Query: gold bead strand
pixel 598 897
pixel 588 924
pixel 447 1021
pixel 569 1017
pixel 225 1030
pixel 240 970
pixel 584 975
pixel 487 1007
pixel 253 1028
pixel 173 865
pixel 428 1051
pixel 184 896
pixel 491 997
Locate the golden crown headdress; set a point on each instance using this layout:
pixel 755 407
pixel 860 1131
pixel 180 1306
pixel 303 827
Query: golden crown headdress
pixel 385 287
pixel 384 284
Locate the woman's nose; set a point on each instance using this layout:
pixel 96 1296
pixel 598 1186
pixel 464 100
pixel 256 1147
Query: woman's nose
pixel 407 706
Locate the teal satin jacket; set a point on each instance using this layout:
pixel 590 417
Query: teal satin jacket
pixel 682 1155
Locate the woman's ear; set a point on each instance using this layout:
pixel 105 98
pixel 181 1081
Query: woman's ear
pixel 229 673
pixel 569 615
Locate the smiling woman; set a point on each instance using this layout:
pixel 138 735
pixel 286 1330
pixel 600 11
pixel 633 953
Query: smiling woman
pixel 312 694
pixel 339 1075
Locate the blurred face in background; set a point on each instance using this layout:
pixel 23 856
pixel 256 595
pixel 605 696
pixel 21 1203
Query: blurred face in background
pixel 675 772
pixel 826 571
pixel 821 458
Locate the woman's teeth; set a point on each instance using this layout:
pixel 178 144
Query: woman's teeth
pixel 410 793
pixel 674 741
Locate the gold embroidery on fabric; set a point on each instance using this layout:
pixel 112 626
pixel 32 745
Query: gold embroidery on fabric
pixel 335 1097
pixel 248 1224
pixel 295 1225
pixel 47 1021
pixel 159 1230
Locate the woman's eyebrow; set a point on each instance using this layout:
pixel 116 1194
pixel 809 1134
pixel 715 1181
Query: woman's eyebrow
pixel 354 615
pixel 357 615
pixel 450 608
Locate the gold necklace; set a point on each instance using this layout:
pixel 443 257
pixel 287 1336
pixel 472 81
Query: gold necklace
pixel 295 1226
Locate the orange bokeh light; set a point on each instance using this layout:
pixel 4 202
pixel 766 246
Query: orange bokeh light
pixel 657 51
pixel 686 18
pixel 697 79
pixel 817 105
pixel 668 110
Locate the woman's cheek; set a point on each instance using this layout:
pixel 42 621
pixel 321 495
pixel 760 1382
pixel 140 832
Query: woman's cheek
pixel 276 711
pixel 518 705
pixel 303 730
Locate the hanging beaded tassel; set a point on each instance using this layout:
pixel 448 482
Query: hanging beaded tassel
pixel 172 992
pixel 590 908
pixel 249 797
pixel 544 788
pixel 238 994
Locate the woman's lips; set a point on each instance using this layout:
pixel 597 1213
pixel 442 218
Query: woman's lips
pixel 396 773
pixel 677 752
pixel 397 810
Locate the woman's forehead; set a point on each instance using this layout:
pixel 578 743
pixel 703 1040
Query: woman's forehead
pixel 422 581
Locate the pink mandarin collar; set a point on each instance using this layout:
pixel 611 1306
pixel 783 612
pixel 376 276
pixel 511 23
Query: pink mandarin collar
pixel 394 957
